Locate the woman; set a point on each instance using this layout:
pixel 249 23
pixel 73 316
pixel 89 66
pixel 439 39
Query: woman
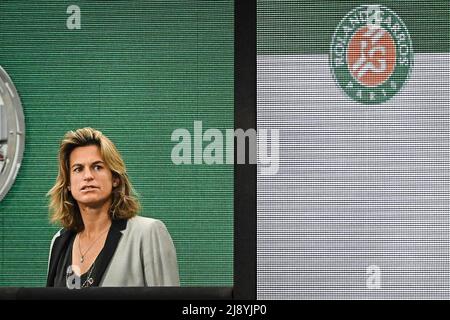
pixel 103 242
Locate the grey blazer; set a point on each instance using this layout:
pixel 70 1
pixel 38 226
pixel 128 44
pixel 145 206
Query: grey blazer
pixel 138 252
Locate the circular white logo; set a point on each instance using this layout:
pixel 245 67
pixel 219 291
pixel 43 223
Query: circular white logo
pixel 12 133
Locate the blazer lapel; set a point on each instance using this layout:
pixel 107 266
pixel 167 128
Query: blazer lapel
pixel 57 249
pixel 112 240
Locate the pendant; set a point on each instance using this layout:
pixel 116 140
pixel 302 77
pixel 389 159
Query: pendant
pixel 82 259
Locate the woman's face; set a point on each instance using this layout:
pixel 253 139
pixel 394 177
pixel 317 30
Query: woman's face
pixel 91 181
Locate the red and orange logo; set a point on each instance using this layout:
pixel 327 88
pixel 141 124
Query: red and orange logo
pixel 371 55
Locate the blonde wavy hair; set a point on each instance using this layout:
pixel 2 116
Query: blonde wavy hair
pixel 63 207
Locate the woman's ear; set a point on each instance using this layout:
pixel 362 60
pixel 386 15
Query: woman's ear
pixel 116 182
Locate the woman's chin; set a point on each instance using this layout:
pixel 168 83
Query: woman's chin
pixel 92 201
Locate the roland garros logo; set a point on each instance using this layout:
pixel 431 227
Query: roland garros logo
pixel 371 54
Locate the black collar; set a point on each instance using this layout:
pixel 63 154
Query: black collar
pixel 112 240
pixel 61 243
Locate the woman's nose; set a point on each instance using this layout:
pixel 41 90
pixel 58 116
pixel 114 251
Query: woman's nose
pixel 88 174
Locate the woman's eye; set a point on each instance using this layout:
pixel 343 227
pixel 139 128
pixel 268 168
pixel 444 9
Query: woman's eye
pixel 76 170
pixel 97 168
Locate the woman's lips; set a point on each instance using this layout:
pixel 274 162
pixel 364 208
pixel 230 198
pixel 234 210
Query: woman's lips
pixel 88 188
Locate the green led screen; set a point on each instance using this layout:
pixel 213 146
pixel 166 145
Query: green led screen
pixel 136 70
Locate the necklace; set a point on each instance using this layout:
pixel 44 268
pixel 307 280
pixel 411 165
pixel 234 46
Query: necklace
pixel 82 255
pixel 89 281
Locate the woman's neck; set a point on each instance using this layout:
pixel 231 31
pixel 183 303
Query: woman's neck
pixel 96 220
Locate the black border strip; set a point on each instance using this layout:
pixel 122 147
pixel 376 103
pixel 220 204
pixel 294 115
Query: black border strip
pixel 125 293
pixel 245 174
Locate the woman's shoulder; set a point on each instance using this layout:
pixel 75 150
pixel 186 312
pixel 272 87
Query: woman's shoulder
pixel 59 233
pixel 139 223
